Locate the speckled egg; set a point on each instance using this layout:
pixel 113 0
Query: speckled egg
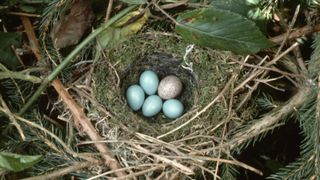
pixel 149 82
pixel 170 87
pixel 135 97
pixel 152 106
pixel 172 108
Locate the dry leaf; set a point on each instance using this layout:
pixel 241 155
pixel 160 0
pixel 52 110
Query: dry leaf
pixel 72 25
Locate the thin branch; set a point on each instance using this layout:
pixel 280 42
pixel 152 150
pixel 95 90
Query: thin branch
pixel 88 128
pixel 80 117
pixel 165 13
pixel 273 61
pixel 233 162
pixel 7 111
pixel 126 169
pixel 61 172
pixel 109 10
pixel 70 57
pixel 296 33
pixel 316 135
pixel 294 18
pixel 6 73
pixel 23 14
pixel 270 120
pixel 266 68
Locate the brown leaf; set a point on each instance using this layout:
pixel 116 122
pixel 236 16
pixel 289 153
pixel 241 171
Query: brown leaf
pixel 72 25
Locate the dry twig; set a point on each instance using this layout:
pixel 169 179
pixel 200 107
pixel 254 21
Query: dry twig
pixel 79 116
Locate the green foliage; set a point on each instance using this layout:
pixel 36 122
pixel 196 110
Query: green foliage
pixel 221 29
pixel 7 57
pixel 134 1
pixel 120 32
pixel 266 102
pixel 17 162
pixel 306 166
pixel 314 63
pixel 251 10
pixel 30 6
pixel 229 172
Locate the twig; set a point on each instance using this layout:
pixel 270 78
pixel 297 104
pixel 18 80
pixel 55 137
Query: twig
pixel 296 33
pixel 23 14
pixel 18 75
pixel 273 61
pixel 206 158
pixel 316 131
pixel 32 36
pixel 177 165
pixel 109 10
pixel 70 57
pixel 88 128
pixel 300 61
pixel 266 68
pixel 80 117
pixel 224 131
pixel 165 13
pixel 271 119
pixel 125 169
pixel 7 111
pixel 61 172
pixel 294 18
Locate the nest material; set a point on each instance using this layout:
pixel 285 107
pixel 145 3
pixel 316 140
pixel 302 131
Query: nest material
pixel 163 54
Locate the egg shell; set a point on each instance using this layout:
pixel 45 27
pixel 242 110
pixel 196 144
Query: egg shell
pixel 149 82
pixel 135 97
pixel 152 106
pixel 172 108
pixel 170 87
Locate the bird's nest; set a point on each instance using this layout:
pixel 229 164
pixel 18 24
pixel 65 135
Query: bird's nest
pixel 157 146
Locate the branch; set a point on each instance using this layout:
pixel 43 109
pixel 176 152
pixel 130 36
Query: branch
pixel 61 172
pixel 6 73
pixel 270 120
pixel 296 33
pixel 70 57
pixel 7 111
pixel 79 116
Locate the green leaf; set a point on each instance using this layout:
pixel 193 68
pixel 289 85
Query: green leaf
pixel 221 29
pixel 134 1
pixel 236 6
pixel 27 8
pixel 7 57
pixel 17 162
pixel 120 31
pixel 246 8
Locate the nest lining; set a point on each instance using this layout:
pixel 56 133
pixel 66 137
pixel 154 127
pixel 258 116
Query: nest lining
pixel 163 54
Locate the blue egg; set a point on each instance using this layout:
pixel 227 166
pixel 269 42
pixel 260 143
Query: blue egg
pixel 135 97
pixel 172 108
pixel 149 82
pixel 152 106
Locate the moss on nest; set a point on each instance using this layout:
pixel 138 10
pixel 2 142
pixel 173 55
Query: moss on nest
pixel 163 54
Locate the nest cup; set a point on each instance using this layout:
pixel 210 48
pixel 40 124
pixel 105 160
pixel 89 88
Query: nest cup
pixel 163 54
pixel 163 65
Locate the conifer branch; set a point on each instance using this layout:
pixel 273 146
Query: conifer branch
pixel 260 126
pixel 71 56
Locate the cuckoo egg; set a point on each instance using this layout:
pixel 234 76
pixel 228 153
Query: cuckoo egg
pixel 172 108
pixel 135 97
pixel 149 82
pixel 170 87
pixel 152 106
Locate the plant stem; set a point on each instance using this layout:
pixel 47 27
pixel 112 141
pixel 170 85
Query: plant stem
pixel 70 57
pixel 17 75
